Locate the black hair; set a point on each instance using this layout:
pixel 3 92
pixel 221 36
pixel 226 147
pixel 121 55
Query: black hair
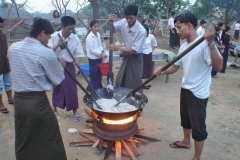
pixel 67 20
pixel 146 27
pixel 227 28
pixel 220 24
pixel 202 22
pixel 172 13
pixel 56 11
pixel 1 20
pixel 187 17
pixel 41 25
pixel 131 10
pixel 93 22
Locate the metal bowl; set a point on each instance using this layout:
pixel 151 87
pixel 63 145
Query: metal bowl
pixel 138 100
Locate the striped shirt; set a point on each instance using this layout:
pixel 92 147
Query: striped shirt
pixel 34 67
pixel 133 37
pixel 73 43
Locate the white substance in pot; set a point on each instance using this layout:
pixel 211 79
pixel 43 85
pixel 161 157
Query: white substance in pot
pixel 108 105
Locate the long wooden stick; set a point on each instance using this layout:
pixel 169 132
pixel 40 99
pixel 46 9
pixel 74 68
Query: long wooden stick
pixel 200 40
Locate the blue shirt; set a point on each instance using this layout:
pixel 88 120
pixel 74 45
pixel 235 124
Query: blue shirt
pixel 34 67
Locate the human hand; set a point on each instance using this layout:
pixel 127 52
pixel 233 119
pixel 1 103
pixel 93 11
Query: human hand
pixel 113 47
pixel 210 34
pixel 62 62
pixel 157 71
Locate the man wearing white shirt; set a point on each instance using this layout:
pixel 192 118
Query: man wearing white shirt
pixel 133 35
pixel 196 81
pixel 201 28
pixel 65 94
pixel 236 30
pixel 173 39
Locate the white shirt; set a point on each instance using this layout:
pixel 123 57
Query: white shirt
pixel 237 26
pixel 200 31
pixel 94 46
pixel 73 43
pixel 171 22
pixel 196 69
pixel 133 37
pixel 150 42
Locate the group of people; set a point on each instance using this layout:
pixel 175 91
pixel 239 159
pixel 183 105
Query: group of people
pixel 39 64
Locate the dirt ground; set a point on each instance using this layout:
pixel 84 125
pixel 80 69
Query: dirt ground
pixel 160 119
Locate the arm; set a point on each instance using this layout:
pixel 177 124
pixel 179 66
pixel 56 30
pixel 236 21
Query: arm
pixel 78 52
pixel 217 61
pixel 52 68
pixel 174 68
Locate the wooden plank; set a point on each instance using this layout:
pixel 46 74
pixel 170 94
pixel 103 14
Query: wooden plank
pixel 134 148
pixel 118 147
pixel 108 150
pixel 87 131
pixel 96 143
pixel 132 156
pixel 93 139
pixel 90 120
pixel 89 112
pixel 81 143
pixel 141 140
pixel 147 138
pixel 89 125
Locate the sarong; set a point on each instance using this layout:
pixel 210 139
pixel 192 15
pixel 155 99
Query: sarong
pixel 95 74
pixel 37 134
pixel 130 72
pixel 65 94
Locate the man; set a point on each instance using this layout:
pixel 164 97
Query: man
pixel 173 39
pixel 196 81
pixel 133 35
pixel 34 70
pixel 5 80
pixel 201 28
pixel 236 30
pixel 65 94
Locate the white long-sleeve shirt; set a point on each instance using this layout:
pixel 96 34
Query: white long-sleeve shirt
pixel 150 42
pixel 73 43
pixel 94 46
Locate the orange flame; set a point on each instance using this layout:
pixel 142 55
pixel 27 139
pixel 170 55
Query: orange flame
pixel 122 121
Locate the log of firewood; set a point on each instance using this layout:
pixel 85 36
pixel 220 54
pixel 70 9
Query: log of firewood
pixel 118 148
pixel 132 156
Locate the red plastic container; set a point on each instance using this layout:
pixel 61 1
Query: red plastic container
pixel 104 68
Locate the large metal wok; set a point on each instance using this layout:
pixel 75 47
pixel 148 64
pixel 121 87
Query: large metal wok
pixel 138 100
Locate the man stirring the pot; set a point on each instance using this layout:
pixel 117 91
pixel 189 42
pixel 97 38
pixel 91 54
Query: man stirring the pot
pixel 65 94
pixel 34 70
pixel 133 35
pixel 197 65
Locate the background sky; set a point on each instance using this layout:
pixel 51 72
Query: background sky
pixel 44 6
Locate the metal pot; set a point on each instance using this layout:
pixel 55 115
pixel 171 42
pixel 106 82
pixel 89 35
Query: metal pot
pixel 138 100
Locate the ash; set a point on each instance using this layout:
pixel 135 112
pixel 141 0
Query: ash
pixel 108 105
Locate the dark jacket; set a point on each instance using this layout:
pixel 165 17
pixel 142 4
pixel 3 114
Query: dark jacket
pixel 4 64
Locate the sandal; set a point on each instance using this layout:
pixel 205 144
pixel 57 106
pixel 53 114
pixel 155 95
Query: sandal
pixel 10 101
pixel 177 144
pixel 4 110
pixel 147 87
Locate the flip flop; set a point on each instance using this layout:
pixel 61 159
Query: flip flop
pixel 5 110
pixel 176 145
pixel 147 87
